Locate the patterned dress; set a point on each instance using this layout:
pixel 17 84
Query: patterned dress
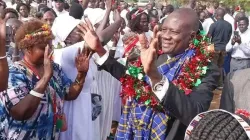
pixel 40 125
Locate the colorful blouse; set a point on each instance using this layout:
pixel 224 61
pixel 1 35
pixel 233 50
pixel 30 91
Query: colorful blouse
pixel 40 126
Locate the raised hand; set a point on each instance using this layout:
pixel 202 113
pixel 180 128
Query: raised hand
pixel 109 4
pixel 82 60
pixel 149 55
pixel 48 67
pixel 90 37
pixel 117 15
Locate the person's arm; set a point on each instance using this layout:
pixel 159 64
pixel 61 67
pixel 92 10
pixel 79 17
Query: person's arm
pixel 109 64
pixel 76 87
pixel 4 69
pixel 82 65
pixel 245 47
pixel 105 18
pixel 27 106
pixel 106 34
pixel 227 96
pixel 186 107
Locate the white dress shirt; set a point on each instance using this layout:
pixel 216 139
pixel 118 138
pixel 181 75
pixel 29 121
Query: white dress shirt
pixel 206 24
pixel 240 50
pixel 162 19
pixel 229 19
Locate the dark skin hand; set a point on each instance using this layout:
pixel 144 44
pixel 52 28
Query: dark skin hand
pixel 91 38
pixel 104 22
pixel 82 65
pixel 149 56
pixel 106 34
pixel 4 69
pixel 28 105
pixel 236 39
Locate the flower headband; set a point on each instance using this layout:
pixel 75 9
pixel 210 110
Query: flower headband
pixel 44 31
pixel 138 12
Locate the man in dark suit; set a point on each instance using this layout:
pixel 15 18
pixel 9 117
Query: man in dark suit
pixel 177 32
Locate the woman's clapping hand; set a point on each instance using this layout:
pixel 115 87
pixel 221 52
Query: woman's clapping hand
pixel 82 60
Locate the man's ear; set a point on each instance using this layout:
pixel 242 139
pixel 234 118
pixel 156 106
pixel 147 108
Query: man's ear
pixel 193 35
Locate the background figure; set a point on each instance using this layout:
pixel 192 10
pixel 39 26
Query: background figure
pixel 66 7
pixel 23 10
pixel 47 15
pixel 13 53
pixel 102 5
pixel 9 13
pixel 166 11
pixel 220 33
pixel 239 46
pixel 202 16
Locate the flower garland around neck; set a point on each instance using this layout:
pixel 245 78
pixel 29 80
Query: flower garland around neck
pixel 193 69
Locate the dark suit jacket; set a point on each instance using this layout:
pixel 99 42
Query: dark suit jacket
pixel 183 108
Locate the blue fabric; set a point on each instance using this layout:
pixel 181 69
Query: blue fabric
pixel 140 122
pixel 227 61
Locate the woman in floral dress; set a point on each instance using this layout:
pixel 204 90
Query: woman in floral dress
pixel 32 106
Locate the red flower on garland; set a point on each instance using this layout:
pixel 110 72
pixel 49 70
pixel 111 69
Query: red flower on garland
pixel 243 112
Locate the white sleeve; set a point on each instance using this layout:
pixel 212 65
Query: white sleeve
pixel 245 48
pixel 101 60
pixel 229 47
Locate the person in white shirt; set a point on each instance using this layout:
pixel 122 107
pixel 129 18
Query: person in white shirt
pixel 78 112
pixel 12 3
pixel 240 46
pixel 229 18
pixel 208 21
pixel 124 11
pixel 23 10
pixel 59 8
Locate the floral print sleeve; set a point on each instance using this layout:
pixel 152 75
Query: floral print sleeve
pixel 64 81
pixel 17 88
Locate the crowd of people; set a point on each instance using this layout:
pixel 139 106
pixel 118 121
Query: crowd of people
pixel 104 70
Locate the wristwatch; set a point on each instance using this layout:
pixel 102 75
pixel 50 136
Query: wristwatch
pixel 158 86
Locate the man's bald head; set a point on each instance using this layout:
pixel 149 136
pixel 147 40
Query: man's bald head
pixel 220 13
pixel 179 28
pixel 239 15
pixel 188 16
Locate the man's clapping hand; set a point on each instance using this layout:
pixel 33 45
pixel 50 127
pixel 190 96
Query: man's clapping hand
pixel 149 56
pixel 90 37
